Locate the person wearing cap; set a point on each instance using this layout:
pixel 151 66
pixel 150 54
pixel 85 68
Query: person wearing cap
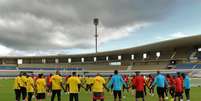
pixel 139 83
pixel 160 82
pixel 117 82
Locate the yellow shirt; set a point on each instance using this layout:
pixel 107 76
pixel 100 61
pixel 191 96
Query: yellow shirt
pixel 30 83
pixel 73 84
pixel 56 82
pixel 17 82
pixel 98 82
pixel 41 85
pixel 23 81
pixel 89 80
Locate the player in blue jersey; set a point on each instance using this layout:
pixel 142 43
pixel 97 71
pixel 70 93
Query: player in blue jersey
pixel 186 85
pixel 117 82
pixel 160 82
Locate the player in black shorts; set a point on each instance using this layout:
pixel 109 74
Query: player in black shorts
pixel 161 92
pixel 117 94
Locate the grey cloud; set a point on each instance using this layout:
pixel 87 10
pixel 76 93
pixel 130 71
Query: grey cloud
pixel 63 24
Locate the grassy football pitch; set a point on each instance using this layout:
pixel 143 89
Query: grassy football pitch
pixel 7 94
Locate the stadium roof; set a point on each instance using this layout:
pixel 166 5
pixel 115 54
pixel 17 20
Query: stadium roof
pixel 189 42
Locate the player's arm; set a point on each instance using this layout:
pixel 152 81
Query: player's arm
pixel 61 84
pixel 18 82
pixel 153 84
pixel 124 83
pixel 79 84
pixel 110 83
pixel 104 85
pixel 166 82
pixel 67 87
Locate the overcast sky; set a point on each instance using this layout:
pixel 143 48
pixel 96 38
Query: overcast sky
pixel 46 27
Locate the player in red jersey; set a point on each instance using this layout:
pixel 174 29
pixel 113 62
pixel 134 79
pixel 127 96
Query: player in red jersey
pixel 171 82
pixel 149 81
pixel 182 84
pixel 139 83
pixel 125 77
pixel 178 88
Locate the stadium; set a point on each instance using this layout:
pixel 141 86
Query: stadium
pixel 100 50
pixel 178 55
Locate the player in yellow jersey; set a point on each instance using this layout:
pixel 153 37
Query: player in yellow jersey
pixel 56 81
pixel 40 87
pixel 30 87
pixel 23 86
pixel 17 87
pixel 98 85
pixel 73 87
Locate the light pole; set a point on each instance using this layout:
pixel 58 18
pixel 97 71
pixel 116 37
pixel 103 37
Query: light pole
pixel 96 21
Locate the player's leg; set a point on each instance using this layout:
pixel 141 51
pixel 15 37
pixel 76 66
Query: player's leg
pixel 76 97
pixel 142 96
pixel 166 92
pixel 30 94
pixel 163 94
pixel 119 95
pixel 59 95
pixel 145 90
pixel 187 92
pixel 70 97
pixel 136 95
pixel 115 95
pixel 53 95
pixel 43 97
pixel 158 93
pixel 17 94
pixel 24 93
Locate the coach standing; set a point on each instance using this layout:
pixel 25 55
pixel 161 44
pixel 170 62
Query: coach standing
pixel 160 81
pixel 117 82
pixel 56 81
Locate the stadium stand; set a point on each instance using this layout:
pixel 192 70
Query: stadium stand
pixel 180 51
pixel 7 67
pixel 74 66
pixel 188 66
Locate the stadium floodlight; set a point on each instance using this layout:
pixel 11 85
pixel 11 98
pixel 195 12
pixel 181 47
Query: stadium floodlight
pixel 96 22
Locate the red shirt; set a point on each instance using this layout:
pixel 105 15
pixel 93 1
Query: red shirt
pixel 133 81
pixel 126 79
pixel 178 85
pixel 48 80
pixel 139 83
pixel 171 81
pixel 182 80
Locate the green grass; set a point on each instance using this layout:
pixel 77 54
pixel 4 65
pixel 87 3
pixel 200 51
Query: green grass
pixel 7 94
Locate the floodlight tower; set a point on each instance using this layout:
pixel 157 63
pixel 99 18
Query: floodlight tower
pixel 96 21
